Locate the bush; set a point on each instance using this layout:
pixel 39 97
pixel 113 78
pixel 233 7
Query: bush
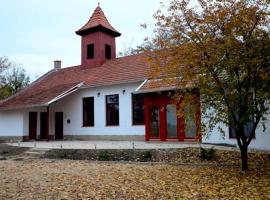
pixel 207 154
pixel 62 154
pixel 147 156
pixel 103 156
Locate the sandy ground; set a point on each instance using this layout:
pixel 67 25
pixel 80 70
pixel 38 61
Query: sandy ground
pixel 67 179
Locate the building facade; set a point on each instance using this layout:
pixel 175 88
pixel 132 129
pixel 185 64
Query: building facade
pixel 105 98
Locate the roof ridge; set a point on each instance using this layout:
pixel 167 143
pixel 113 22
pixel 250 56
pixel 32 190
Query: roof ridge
pixel 131 55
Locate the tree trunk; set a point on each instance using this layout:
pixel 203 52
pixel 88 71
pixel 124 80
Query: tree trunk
pixel 244 156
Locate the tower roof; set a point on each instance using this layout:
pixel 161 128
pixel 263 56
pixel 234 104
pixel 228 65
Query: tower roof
pixel 98 22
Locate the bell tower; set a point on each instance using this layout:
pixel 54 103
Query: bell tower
pixel 97 40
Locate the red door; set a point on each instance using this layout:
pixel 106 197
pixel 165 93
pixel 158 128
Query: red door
pixel 32 125
pixel 59 125
pixel 162 122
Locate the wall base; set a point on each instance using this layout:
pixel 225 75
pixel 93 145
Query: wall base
pixel 11 139
pixel 105 137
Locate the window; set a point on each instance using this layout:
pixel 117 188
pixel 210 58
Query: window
pixel 112 110
pixel 108 51
pixel 137 109
pixel 90 51
pixel 247 128
pixel 88 111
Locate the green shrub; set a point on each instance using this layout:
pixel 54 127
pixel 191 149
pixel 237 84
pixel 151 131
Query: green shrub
pixel 207 154
pixel 62 154
pixel 103 156
pixel 147 156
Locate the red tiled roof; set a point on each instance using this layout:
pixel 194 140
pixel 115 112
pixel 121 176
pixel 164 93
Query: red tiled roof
pixel 157 85
pixel 56 82
pixel 96 21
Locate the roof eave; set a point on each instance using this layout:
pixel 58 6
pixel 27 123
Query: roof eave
pixel 62 95
pixel 82 32
pixel 24 107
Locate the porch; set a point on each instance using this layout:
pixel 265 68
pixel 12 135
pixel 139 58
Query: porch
pixel 116 145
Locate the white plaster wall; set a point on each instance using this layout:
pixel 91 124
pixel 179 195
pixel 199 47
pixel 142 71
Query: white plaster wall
pixel 71 106
pixel 11 123
pixel 261 140
pixel 15 123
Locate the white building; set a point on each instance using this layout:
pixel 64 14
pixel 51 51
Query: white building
pixel 104 98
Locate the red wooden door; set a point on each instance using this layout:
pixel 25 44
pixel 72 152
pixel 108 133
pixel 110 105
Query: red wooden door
pixel 161 119
pixel 32 125
pixel 59 125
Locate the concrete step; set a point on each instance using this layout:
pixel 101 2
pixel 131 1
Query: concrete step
pixel 36 152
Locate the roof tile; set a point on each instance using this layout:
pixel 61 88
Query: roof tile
pixel 97 19
pixel 121 70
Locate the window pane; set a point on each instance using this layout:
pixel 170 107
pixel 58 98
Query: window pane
pixel 247 128
pixel 190 122
pixel 112 110
pixel 88 111
pixel 137 109
pixel 154 121
pixel 171 121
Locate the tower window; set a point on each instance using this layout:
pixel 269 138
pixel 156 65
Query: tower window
pixel 90 51
pixel 108 51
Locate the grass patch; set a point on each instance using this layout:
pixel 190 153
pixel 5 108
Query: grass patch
pixel 175 156
pixel 7 150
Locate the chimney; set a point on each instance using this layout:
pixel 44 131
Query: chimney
pixel 57 64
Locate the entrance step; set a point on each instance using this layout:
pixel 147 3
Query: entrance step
pixel 36 152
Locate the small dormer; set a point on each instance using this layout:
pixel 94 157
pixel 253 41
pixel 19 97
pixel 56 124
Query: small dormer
pixel 98 40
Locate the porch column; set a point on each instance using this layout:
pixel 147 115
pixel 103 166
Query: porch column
pixel 48 124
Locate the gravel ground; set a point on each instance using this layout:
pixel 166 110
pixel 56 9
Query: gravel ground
pixel 176 174
pixel 69 179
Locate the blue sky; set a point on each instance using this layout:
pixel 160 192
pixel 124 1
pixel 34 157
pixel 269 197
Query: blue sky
pixel 36 32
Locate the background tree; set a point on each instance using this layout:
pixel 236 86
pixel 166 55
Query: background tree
pixel 128 52
pixel 12 78
pixel 223 46
pixel 4 64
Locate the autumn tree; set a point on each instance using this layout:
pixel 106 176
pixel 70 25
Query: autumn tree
pixel 12 78
pixel 223 46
